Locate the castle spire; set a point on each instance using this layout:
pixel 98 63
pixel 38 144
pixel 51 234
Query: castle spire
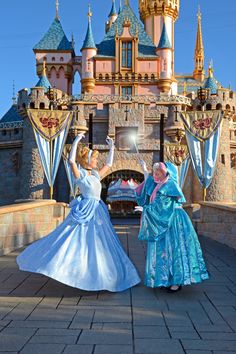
pixel 57 10
pixel 13 93
pixel 198 73
pixel 113 11
pixel 120 9
pixel 89 40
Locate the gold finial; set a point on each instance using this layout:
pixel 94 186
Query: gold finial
pixel 127 2
pixel 185 88
pixel 210 68
pixel 14 93
pixel 199 14
pixel 44 68
pixel 57 9
pixel 90 14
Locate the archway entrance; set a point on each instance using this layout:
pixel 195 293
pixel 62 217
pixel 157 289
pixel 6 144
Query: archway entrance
pixel 118 191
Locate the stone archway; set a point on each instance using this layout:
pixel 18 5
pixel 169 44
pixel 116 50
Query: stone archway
pixel 124 174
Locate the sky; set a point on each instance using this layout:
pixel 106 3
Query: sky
pixel 23 23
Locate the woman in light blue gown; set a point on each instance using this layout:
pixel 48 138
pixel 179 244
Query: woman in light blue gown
pixel 174 255
pixel 84 251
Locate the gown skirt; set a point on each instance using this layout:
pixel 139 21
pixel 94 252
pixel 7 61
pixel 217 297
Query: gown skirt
pixel 83 252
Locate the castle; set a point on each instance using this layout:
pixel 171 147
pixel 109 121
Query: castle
pixel 128 85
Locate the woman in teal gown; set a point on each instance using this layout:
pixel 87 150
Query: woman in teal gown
pixel 174 255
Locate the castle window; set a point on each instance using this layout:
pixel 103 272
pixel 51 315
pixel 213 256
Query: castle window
pixel 126 90
pixel 127 55
pixel 41 105
pixel 222 159
pixel 53 59
pixel 61 59
pixel 208 107
pixel 218 106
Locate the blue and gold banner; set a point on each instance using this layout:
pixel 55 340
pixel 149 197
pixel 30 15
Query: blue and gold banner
pixel 202 124
pixel 49 124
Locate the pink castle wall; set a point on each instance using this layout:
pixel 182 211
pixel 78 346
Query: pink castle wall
pixel 104 90
pixel 148 90
pixel 104 66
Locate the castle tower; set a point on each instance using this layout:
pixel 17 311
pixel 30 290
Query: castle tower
pixel 112 16
pixel 58 52
pixel 199 73
pixel 152 13
pixel 89 50
pixel 164 51
pixel 120 8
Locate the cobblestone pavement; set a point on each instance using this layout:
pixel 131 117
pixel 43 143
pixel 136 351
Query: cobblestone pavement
pixel 42 316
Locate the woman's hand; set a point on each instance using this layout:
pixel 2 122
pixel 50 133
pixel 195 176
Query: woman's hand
pixel 110 142
pixel 74 148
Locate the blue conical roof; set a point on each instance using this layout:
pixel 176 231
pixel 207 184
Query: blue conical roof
pixel 11 115
pixel 146 48
pixel 164 40
pixel 113 9
pixel 44 82
pixel 211 83
pixel 54 39
pixel 89 40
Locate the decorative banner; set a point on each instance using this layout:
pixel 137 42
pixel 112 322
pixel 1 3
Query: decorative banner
pixel 49 124
pixel 182 171
pixel 202 124
pixel 70 176
pixel 176 153
pixel 50 129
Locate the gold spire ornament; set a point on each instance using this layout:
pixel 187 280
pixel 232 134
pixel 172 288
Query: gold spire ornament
pixel 90 14
pixel 199 73
pixel 57 9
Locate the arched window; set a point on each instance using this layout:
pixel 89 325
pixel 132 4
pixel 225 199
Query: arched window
pixel 199 108
pixel 41 105
pixel 208 107
pixel 219 106
pixel 53 58
pixel 127 55
pixel 61 59
pixel 227 107
pixel 32 105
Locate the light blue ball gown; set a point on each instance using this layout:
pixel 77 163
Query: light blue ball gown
pixel 174 255
pixel 84 251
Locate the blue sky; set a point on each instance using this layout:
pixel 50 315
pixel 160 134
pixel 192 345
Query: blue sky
pixel 23 23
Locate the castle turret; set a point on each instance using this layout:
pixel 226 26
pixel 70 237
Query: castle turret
pixel 211 83
pixel 164 50
pixel 112 16
pixel 152 13
pixel 199 73
pixel 58 52
pixel 89 50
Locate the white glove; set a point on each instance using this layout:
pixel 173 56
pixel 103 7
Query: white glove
pixel 74 148
pixel 110 156
pixel 138 208
pixel 144 168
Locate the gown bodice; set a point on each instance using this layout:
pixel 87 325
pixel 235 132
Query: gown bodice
pixel 89 185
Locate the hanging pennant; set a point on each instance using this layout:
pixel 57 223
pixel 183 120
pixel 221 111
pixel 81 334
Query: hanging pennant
pixel 50 129
pixel 202 124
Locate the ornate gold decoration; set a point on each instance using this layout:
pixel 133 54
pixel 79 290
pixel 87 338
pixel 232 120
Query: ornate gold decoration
pixel 176 153
pixel 159 7
pixel 199 73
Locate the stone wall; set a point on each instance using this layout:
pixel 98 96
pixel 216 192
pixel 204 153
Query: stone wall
pixel 21 224
pixel 9 175
pixel 218 222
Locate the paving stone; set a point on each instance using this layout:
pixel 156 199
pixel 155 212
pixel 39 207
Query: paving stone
pixel 199 352
pixel 158 346
pixel 58 332
pixel 177 318
pixel 79 349
pixel 144 316
pixel 40 324
pixel 33 348
pixel 51 339
pixel 218 336
pixel 151 332
pixel 106 337
pixel 115 315
pixel 209 344
pixel 113 349
pixel 214 328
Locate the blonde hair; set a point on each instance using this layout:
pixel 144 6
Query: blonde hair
pixel 83 154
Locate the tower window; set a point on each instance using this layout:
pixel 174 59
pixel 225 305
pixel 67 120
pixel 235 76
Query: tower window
pixel 53 59
pixel 127 55
pixel 126 90
pixel 61 59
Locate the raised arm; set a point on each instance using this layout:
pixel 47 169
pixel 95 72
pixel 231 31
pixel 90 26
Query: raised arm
pixel 144 168
pixel 110 157
pixel 72 156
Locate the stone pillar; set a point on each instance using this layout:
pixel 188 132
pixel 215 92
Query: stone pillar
pixel 220 188
pixel 33 183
